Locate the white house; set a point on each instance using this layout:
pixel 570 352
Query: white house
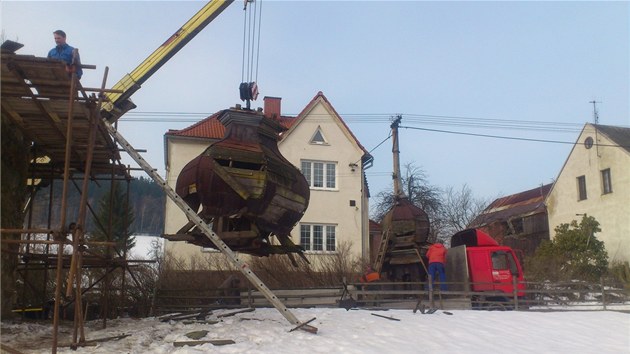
pixel 322 146
pixel 595 180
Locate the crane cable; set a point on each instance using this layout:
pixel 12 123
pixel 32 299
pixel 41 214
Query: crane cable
pixel 251 49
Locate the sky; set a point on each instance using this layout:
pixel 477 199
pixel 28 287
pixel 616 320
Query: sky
pixel 354 331
pixel 453 70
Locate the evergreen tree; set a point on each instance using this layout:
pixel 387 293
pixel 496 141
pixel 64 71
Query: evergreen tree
pixel 575 253
pixel 121 216
pixel 148 201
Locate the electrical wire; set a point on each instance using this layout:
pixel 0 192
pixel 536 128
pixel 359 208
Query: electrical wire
pixel 419 119
pixel 504 137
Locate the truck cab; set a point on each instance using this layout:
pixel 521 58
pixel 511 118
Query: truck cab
pixel 493 268
pixel 476 262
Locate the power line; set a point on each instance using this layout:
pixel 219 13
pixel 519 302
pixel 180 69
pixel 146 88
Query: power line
pixel 424 119
pixel 375 118
pixel 505 137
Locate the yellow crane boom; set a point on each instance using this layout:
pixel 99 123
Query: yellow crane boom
pixel 118 102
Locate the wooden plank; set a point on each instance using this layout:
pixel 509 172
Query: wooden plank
pixel 305 326
pixel 202 342
pixel 44 121
pixel 181 317
pixel 93 342
pixel 10 350
pixel 387 317
pixel 236 312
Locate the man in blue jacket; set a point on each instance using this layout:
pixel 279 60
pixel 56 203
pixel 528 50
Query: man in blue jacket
pixel 63 52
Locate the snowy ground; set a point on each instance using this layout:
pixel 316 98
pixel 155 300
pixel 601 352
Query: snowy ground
pixel 355 331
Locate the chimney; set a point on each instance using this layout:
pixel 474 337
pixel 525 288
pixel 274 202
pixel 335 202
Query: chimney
pixel 272 107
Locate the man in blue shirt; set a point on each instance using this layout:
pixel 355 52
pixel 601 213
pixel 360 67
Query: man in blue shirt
pixel 63 52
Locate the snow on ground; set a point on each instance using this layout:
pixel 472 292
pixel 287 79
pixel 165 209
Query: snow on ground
pixel 356 331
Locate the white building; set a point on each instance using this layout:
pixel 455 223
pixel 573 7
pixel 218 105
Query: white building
pixel 321 145
pixel 595 180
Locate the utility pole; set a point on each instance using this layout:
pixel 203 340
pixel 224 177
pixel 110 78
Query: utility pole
pixel 398 192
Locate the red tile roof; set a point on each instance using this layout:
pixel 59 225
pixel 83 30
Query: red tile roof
pixel 207 128
pixel 211 128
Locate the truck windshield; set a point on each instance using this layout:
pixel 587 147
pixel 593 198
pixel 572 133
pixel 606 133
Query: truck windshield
pixel 502 260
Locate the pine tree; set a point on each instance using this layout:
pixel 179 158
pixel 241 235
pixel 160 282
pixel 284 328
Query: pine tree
pixel 121 216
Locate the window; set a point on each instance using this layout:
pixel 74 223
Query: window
pixel 318 137
pixel 581 181
pixel 318 237
pixel 320 175
pixel 606 181
pixel 499 260
pixel 502 260
pixel 588 143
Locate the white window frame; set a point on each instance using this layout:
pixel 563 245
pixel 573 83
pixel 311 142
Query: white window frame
pixel 323 140
pixel 328 237
pixel 308 168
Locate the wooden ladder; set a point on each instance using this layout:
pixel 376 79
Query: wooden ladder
pixel 382 250
pixel 207 230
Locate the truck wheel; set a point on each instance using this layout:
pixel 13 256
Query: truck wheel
pixel 494 306
pixel 477 302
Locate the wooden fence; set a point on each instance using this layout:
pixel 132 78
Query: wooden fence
pixel 537 296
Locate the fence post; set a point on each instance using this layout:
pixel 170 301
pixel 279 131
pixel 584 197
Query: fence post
pixel 430 280
pixel 603 292
pixel 152 311
pixel 250 301
pixel 515 292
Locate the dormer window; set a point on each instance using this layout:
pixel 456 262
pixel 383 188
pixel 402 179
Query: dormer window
pixel 318 137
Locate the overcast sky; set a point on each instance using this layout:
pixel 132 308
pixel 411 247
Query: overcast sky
pixel 505 69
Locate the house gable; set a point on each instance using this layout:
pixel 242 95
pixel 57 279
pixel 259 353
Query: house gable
pixel 319 107
pixel 318 136
pixel 599 152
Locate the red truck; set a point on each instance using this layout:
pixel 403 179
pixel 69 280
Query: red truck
pixel 476 262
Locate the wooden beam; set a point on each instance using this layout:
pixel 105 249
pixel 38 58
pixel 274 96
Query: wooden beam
pixel 202 342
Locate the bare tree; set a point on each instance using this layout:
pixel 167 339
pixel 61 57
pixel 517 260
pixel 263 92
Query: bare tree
pixel 416 187
pixel 458 209
pixel 450 210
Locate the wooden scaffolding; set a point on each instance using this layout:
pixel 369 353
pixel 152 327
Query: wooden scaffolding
pixel 50 107
pixel 62 119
